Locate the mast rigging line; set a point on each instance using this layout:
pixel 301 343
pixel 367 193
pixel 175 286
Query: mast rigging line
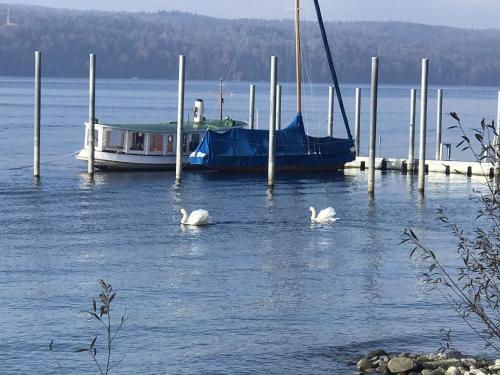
pixel 332 67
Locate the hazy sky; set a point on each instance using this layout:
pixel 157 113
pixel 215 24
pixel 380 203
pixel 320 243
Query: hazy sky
pixel 460 13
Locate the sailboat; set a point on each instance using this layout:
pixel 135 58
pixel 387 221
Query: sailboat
pixel 243 150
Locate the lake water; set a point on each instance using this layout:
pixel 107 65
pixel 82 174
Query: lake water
pixel 262 290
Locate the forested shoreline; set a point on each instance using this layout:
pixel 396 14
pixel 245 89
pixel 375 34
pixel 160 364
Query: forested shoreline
pixel 147 45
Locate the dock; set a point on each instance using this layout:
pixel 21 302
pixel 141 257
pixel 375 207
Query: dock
pixel 447 167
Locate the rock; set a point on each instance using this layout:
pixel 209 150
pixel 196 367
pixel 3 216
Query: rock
pixel 423 358
pixel 438 371
pixel 400 364
pixel 452 371
pixel 364 364
pixel 382 368
pixel 497 361
pixel 377 353
pixel 453 353
pixel 494 367
pixel 444 363
pixel 476 371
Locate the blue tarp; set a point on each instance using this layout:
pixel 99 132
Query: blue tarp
pixel 246 149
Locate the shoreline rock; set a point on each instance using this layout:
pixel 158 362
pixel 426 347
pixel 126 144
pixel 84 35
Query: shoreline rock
pixel 452 363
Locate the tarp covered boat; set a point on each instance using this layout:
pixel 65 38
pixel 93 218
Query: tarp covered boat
pixel 247 150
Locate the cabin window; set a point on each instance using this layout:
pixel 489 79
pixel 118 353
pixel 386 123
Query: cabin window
pixel 115 139
pixel 170 143
pixel 195 140
pixel 137 141
pixel 156 142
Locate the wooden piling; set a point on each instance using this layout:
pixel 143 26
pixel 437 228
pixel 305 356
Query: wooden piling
pixel 251 110
pixel 423 125
pixel 439 123
pixel 272 122
pixel 38 97
pixel 411 141
pixel 278 107
pixel 180 120
pixel 373 126
pixel 90 167
pixel 331 97
pixel 357 129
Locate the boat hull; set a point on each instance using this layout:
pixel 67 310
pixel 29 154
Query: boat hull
pixel 288 163
pixel 107 161
pixel 245 150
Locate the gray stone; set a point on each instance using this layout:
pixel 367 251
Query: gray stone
pixel 494 367
pixel 436 371
pixel 364 364
pixel 382 368
pixel 401 364
pixel 377 353
pixel 444 363
pixel 476 371
pixel 423 358
pixel 452 371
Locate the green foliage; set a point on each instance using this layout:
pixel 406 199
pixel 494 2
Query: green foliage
pixel 147 45
pixel 472 288
pixel 101 313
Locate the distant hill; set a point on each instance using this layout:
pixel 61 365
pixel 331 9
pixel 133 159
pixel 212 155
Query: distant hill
pixel 147 45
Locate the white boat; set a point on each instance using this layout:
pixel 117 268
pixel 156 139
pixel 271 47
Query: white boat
pixel 148 146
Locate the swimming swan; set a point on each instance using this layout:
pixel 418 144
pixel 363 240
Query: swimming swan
pixel 196 218
pixel 325 216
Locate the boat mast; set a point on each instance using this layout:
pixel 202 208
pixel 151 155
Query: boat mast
pixel 221 99
pixel 298 63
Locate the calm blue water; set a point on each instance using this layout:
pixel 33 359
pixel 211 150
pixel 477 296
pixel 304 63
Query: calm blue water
pixel 261 291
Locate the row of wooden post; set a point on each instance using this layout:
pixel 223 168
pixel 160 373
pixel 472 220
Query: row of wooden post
pixel 275 121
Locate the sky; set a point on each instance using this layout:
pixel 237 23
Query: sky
pixel 458 13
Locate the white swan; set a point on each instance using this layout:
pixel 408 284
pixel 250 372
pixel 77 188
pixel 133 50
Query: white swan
pixel 325 216
pixel 196 218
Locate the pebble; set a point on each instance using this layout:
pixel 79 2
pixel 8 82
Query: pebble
pixel 401 364
pixel 452 371
pixel 364 364
pixel 379 362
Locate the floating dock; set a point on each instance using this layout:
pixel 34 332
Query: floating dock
pixel 447 167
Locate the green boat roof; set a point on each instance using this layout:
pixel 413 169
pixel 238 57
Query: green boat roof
pixel 172 126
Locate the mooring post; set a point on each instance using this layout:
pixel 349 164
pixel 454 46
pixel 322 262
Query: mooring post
pixel 272 122
pixel 379 149
pixel 330 110
pixel 38 97
pixel 90 168
pixel 251 110
pixel 373 126
pixel 411 142
pixel 180 121
pixel 439 123
pixel 357 129
pixel 423 125
pixel 278 107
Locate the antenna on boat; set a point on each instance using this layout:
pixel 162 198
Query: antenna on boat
pixel 221 100
pixel 298 63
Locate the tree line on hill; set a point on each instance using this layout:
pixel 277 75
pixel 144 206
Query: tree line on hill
pixel 147 45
